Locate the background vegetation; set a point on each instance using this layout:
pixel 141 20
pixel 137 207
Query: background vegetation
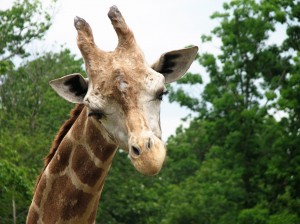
pixel 237 162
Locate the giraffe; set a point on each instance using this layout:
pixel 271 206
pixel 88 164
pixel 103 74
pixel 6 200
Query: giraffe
pixel 117 106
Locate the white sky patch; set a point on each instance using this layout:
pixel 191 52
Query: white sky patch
pixel 278 114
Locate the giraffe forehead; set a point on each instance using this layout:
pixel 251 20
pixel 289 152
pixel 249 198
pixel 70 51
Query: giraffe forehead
pixel 123 80
pixel 116 86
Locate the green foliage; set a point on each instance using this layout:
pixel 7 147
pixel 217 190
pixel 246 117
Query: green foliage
pixel 254 215
pixel 284 217
pixel 26 128
pixel 251 156
pixel 24 22
pixel 187 149
pixel 15 188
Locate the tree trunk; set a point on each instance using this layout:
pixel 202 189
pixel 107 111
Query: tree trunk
pixel 14 210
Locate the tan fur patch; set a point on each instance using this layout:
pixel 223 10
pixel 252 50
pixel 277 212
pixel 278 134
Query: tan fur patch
pixel 33 216
pixel 93 213
pixel 134 117
pixel 78 127
pixel 39 190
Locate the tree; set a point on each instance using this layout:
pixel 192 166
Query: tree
pixel 246 148
pixel 15 189
pixel 24 22
pixel 26 127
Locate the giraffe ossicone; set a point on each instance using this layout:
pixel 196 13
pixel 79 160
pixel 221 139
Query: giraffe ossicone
pixel 118 105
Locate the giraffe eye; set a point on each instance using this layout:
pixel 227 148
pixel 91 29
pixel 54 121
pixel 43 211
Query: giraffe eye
pixel 161 94
pixel 96 114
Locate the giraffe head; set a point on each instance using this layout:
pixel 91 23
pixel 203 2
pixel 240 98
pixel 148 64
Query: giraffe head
pixel 123 93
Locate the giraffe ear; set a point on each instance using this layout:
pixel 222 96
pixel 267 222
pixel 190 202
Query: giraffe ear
pixel 72 88
pixel 174 64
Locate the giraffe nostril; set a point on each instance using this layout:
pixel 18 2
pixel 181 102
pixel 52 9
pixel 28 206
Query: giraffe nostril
pixel 135 151
pixel 149 144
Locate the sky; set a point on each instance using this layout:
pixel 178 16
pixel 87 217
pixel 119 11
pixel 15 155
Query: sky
pixel 159 26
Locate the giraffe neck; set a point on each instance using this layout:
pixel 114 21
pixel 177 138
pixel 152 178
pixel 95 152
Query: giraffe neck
pixel 70 186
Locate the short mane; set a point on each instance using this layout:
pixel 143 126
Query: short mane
pixel 75 112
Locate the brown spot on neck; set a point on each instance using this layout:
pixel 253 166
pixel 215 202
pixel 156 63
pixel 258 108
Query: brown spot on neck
pixel 98 144
pixel 84 167
pixel 64 201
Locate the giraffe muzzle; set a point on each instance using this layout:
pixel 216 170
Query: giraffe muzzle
pixel 147 154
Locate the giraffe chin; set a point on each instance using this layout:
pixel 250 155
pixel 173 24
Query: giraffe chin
pixel 149 162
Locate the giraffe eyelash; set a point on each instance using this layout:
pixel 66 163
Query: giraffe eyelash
pixel 97 114
pixel 160 96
